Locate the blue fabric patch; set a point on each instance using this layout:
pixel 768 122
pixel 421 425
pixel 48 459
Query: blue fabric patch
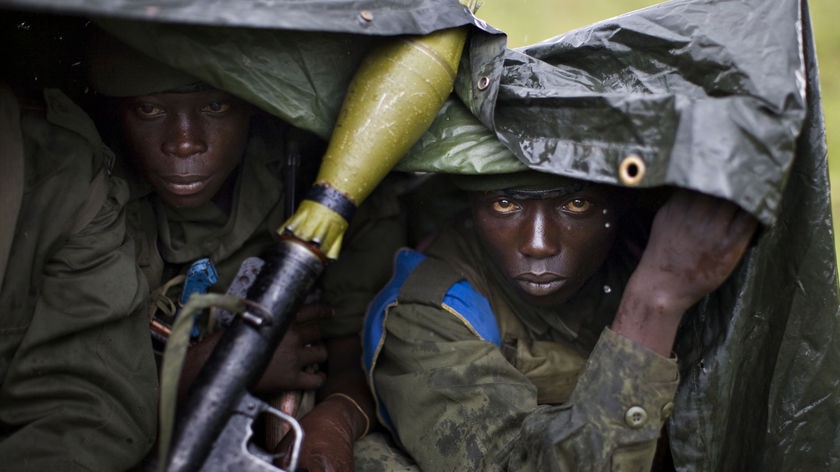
pixel 462 297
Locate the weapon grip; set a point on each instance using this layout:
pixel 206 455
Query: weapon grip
pixel 232 450
pixel 243 352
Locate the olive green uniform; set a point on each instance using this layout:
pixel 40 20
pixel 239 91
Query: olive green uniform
pixel 78 386
pixel 560 391
pixel 169 240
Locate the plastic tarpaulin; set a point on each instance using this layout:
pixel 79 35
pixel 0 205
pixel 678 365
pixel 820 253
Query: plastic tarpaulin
pixel 722 97
pixel 718 96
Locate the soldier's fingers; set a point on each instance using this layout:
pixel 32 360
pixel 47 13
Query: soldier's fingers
pixel 743 224
pixel 741 230
pixel 313 312
pixel 302 381
pixel 312 380
pixel 308 333
pixel 313 354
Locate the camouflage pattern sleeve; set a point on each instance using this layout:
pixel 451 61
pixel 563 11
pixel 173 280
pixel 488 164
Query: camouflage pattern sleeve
pixel 457 404
pixel 613 418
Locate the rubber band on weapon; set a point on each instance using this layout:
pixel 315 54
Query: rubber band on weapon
pixel 298 441
pixel 333 199
pixel 358 407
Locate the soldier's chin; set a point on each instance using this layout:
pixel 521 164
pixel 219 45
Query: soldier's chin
pixel 541 289
pixel 183 201
pixel 541 297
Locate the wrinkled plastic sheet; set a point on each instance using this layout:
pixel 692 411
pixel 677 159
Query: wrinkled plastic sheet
pixel 714 106
pixel 722 97
pixel 710 96
pixel 367 17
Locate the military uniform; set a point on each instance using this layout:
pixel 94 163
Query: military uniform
pixel 510 386
pixel 78 385
pixel 169 240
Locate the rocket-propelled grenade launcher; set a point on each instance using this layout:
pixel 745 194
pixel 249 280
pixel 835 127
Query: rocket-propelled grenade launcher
pixel 392 100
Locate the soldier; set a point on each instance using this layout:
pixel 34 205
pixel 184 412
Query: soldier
pixel 213 178
pixel 78 389
pixel 529 336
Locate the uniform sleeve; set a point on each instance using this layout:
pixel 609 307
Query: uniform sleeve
pixel 457 404
pixel 80 390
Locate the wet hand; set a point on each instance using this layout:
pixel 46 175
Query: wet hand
pixel 696 242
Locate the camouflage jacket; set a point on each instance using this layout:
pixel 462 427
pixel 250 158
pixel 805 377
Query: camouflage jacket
pixel 537 395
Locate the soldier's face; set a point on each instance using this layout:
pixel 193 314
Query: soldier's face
pixel 185 144
pixel 547 243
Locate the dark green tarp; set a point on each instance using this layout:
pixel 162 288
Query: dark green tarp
pixel 367 17
pixel 719 96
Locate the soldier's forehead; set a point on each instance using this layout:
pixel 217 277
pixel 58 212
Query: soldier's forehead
pixel 564 188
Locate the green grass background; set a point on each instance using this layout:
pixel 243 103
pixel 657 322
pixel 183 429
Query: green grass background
pixel 531 21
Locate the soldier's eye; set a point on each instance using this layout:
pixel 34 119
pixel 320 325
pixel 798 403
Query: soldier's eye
pixel 149 109
pixel 216 107
pixel 578 205
pixel 503 205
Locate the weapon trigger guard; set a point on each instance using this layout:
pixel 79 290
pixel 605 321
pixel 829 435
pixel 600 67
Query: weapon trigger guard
pixel 297 429
pixel 234 451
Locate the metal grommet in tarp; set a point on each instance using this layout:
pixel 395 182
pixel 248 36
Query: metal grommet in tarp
pixel 631 171
pixel 483 82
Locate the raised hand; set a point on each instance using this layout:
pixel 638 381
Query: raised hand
pixel 696 242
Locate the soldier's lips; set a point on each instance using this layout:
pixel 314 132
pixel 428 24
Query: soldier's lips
pixel 184 184
pixel 540 284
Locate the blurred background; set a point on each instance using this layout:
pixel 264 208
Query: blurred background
pixel 531 21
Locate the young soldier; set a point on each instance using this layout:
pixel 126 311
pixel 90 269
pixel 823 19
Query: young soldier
pixel 212 179
pixel 527 337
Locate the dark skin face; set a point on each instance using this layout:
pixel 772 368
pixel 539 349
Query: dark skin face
pixel 187 145
pixel 547 243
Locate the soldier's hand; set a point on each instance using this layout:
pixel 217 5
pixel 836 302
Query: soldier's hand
pixel 328 438
pixel 696 242
pixel 300 348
